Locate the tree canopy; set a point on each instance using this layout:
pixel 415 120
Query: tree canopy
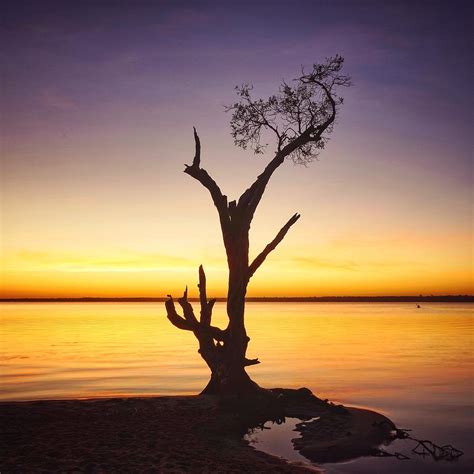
pixel 304 111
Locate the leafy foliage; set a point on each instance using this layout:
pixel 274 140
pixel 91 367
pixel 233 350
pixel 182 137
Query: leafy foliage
pixel 301 116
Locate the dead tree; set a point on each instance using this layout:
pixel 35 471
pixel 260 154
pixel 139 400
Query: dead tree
pixel 300 117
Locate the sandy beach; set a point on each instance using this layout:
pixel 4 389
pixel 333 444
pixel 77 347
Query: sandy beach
pixel 164 434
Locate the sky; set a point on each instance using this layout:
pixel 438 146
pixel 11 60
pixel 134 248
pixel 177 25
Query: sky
pixel 99 100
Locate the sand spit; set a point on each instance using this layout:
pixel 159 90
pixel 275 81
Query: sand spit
pixel 157 435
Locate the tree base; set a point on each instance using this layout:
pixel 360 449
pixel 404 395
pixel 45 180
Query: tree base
pixel 231 384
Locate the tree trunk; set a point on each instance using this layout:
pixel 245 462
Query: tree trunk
pixel 228 376
pixel 224 351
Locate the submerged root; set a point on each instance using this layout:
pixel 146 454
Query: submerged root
pixel 425 447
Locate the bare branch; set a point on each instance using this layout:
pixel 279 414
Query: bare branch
pixel 174 317
pixel 189 322
pixel 271 246
pixel 210 306
pixel 202 288
pixel 197 155
pixel 252 196
pixel 201 175
pixel 206 306
pixel 187 309
pixel 249 200
pixel 248 362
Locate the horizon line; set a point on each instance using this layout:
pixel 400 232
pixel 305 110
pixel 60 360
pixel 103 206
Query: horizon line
pixel 382 298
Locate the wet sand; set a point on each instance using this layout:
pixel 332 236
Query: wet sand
pixel 163 435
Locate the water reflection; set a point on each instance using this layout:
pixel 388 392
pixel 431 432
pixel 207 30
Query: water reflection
pixel 283 439
pixel 414 365
pixel 276 439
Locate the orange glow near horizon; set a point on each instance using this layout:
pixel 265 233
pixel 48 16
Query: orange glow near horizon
pixel 151 244
pixel 118 249
pixel 289 271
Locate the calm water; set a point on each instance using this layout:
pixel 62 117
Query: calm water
pixel 414 365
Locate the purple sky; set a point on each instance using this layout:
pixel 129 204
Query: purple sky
pixel 99 99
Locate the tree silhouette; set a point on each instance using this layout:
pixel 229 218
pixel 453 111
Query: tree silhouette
pixel 300 117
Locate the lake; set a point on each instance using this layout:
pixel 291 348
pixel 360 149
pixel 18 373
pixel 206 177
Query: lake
pixel 414 365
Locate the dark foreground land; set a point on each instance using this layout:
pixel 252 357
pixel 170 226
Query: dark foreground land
pixel 167 435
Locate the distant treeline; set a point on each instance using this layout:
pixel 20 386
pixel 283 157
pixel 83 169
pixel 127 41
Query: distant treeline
pixel 283 299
